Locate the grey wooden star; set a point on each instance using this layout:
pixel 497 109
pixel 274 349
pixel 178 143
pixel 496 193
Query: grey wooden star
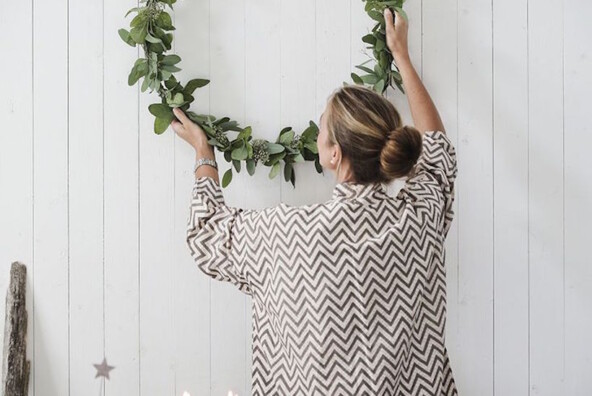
pixel 103 369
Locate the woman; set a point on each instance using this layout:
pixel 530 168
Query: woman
pixel 349 295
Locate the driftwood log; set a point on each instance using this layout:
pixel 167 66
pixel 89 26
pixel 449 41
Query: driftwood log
pixel 15 366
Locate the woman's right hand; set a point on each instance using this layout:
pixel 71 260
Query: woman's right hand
pixel 396 34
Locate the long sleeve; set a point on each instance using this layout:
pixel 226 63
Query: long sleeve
pixel 437 167
pixel 227 243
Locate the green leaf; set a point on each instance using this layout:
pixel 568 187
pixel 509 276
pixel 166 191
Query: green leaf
pixel 380 45
pixel 274 148
pixel 178 99
pixel 318 165
pixel 240 153
pixel 370 79
pixel 379 86
pixel 357 78
pixel 151 39
pixel 237 165
pixel 171 69
pixel 287 137
pixel 161 125
pixel 377 16
pixel 138 34
pixel 366 69
pixel 312 146
pixel 131 10
pixel 138 20
pixel 125 36
pixel 275 169
pixel 170 60
pixel 161 110
pixel 299 158
pixel 251 167
pixel 288 170
pixel 145 83
pixel 227 178
pixel 164 21
pixel 192 85
pixel 369 39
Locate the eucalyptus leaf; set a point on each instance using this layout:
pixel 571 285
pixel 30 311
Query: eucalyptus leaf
pixel 366 69
pixel 151 39
pixel 161 110
pixel 164 21
pixel 274 148
pixel 288 169
pixel 125 36
pixel 171 60
pixel 192 85
pixel 357 78
pixel 251 167
pixel 227 178
pixel 131 10
pixel 161 125
pixel 138 34
pixel 240 153
pixel 237 165
pixel 287 137
pixel 275 169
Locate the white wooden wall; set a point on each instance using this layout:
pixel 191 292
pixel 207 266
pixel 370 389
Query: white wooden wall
pixel 95 204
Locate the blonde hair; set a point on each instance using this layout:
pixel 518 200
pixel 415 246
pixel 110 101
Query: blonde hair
pixel 369 130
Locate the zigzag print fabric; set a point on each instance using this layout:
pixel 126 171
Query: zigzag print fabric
pixel 348 295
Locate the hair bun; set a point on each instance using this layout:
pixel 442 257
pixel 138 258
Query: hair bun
pixel 400 152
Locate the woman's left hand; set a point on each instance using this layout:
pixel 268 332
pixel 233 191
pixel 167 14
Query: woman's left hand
pixel 188 130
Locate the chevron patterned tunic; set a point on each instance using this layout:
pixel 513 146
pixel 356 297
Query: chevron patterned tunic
pixel 348 295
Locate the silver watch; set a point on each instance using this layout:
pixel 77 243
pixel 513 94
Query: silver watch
pixel 204 161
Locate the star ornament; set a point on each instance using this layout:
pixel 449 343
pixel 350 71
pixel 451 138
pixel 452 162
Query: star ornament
pixel 103 369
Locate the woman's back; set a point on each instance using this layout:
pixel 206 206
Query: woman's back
pixel 349 295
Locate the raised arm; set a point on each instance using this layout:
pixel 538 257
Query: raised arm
pixel 424 112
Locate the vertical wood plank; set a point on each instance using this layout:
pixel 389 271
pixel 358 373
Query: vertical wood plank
pixel 475 197
pixel 16 156
pixel 361 25
pixel 121 205
pixel 333 60
pixel 86 194
pixel 263 99
pixel 298 93
pixel 578 196
pixel 440 67
pixel 546 206
pixel 510 120
pixel 192 294
pixel 156 152
pixel 227 98
pixel 191 291
pixel 49 319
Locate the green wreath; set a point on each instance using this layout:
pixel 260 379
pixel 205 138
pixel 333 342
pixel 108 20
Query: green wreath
pixel 151 29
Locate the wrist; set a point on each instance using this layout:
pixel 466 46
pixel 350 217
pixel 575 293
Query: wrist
pixel 204 150
pixel 402 58
pixel 201 144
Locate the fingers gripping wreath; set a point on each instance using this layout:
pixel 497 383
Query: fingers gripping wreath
pixel 151 28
